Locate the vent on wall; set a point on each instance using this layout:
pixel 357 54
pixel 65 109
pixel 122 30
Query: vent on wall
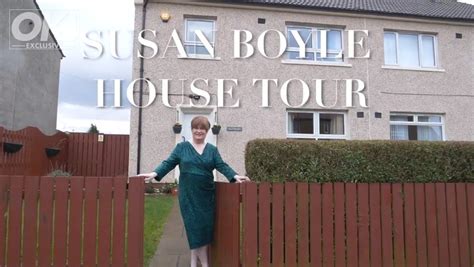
pixel 458 35
pixel 261 21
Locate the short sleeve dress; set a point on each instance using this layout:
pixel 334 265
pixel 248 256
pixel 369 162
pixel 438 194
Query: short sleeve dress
pixel 196 188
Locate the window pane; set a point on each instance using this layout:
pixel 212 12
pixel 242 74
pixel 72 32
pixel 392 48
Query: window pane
pixel 390 49
pixel 333 39
pixel 331 123
pixel 305 34
pixel 408 49
pixel 429 118
pixel 428 54
pixel 196 50
pixel 296 55
pixel 205 26
pixel 300 123
pixel 429 133
pixel 399 132
pixel 401 118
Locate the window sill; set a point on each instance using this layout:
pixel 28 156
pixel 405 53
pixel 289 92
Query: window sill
pixel 201 58
pixel 412 69
pixel 315 63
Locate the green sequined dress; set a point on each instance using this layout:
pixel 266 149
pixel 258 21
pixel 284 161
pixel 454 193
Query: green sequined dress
pixel 196 188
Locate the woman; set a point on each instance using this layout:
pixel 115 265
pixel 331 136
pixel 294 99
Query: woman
pixel 197 160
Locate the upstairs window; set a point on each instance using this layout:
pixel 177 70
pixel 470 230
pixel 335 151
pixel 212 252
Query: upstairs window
pixel 416 127
pixel 312 38
pixel 193 45
pixel 410 50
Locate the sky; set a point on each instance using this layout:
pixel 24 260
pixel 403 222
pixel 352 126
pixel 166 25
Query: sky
pixel 70 20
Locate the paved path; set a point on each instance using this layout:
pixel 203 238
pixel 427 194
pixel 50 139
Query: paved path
pixel 173 250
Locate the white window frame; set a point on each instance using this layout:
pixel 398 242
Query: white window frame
pixel 420 49
pixel 316 134
pixel 415 122
pixel 199 43
pixel 314 50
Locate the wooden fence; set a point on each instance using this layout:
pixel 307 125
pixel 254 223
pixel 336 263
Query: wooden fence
pixel 89 156
pixel 81 154
pixel 337 224
pixel 31 158
pixel 72 221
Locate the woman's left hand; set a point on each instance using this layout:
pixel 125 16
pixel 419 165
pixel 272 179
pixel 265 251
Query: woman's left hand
pixel 241 179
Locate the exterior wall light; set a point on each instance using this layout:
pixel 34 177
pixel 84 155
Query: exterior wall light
pixel 165 16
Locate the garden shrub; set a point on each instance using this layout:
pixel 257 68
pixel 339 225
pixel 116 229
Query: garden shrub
pixel 277 160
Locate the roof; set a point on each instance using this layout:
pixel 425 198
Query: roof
pixel 440 9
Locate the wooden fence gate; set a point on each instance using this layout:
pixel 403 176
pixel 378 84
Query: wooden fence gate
pixel 338 224
pixel 71 221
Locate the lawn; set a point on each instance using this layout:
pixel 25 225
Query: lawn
pixel 157 209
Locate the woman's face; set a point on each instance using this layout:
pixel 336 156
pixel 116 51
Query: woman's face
pixel 199 134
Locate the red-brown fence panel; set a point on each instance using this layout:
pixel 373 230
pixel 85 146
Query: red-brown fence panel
pixel 105 220
pixel 264 224
pixel 98 154
pixel 14 221
pixel 60 220
pixel 375 225
pixel 470 200
pixel 303 224
pixel 75 221
pixel 453 238
pixel 4 196
pixel 420 218
pixel 463 225
pixel 119 219
pixel 409 216
pixel 225 248
pixel 290 224
pixel 30 218
pixel 55 204
pixel 250 224
pixel 278 226
pixel 347 224
pixel 328 227
pixel 442 224
pixel 351 225
pixel 38 154
pixel 386 224
pixel 45 221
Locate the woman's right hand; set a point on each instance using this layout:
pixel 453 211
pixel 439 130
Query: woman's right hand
pixel 148 176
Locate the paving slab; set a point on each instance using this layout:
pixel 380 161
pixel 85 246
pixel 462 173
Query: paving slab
pixel 173 249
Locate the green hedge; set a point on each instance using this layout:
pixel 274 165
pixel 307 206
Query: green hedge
pixel 359 161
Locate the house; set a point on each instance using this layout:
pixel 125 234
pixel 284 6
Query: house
pixel 30 59
pixel 417 82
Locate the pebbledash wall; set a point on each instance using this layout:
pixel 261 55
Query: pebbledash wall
pixel 441 96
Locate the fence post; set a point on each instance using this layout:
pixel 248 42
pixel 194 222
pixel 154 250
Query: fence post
pixel 225 249
pixel 136 194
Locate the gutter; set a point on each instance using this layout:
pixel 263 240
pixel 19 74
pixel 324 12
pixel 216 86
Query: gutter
pixel 140 99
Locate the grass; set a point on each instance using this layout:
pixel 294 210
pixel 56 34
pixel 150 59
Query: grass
pixel 157 209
